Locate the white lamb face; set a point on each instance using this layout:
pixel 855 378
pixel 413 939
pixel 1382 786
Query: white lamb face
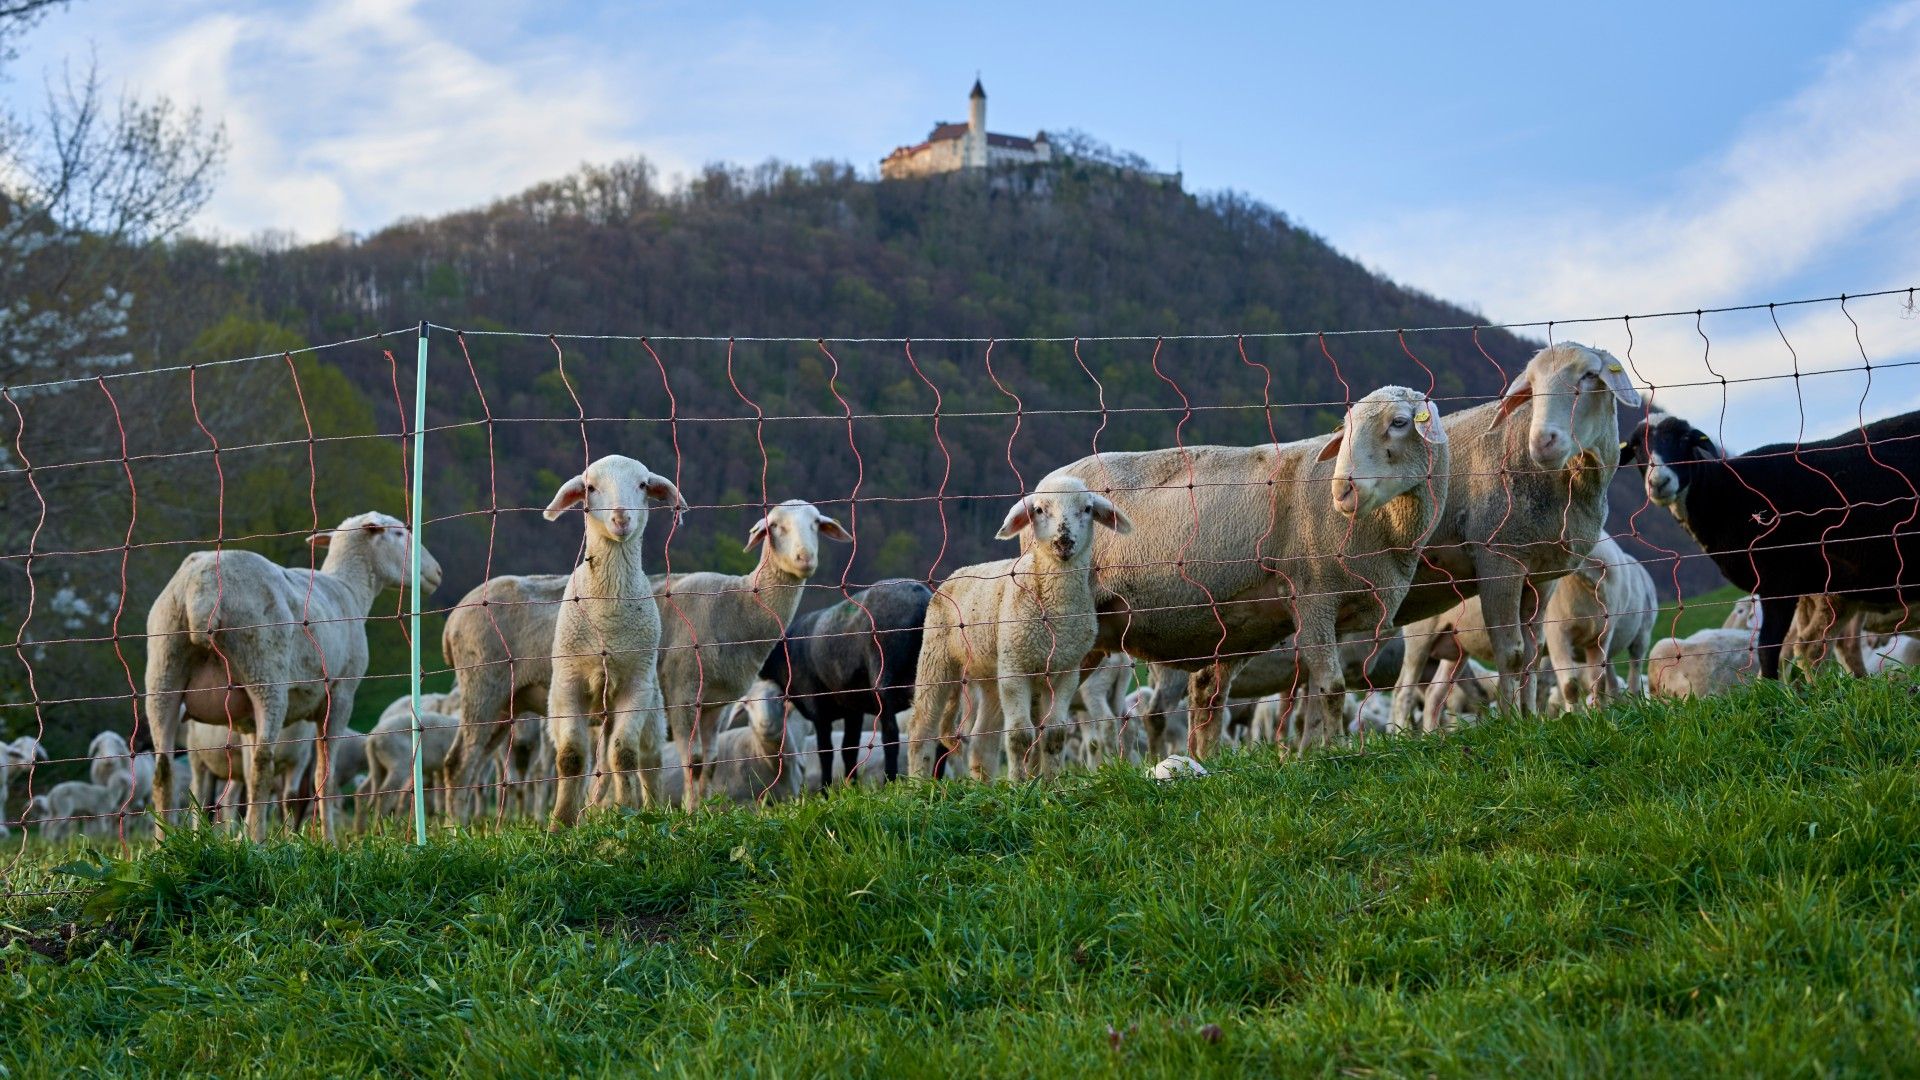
pixel 386 542
pixel 1385 449
pixel 792 533
pixel 1062 514
pixel 1574 390
pixel 616 493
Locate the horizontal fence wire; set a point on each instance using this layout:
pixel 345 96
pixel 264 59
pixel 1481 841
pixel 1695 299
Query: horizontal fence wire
pixel 119 475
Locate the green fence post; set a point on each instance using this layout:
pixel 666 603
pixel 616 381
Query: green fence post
pixel 419 489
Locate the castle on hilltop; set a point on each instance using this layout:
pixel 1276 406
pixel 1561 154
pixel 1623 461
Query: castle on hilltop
pixel 952 147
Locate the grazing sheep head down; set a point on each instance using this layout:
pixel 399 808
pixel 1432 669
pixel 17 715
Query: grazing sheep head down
pixel 616 492
pixel 1062 512
pixel 1667 447
pixel 1384 449
pixel 1573 389
pixel 382 542
pixel 792 533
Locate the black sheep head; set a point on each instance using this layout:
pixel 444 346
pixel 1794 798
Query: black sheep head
pixel 1667 448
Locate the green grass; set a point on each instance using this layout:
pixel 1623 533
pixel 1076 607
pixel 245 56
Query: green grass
pixel 1725 887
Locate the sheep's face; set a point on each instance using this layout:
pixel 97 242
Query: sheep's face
pixel 1575 392
pixel 1386 447
pixel 1668 447
pixel 1062 514
pixel 385 543
pixel 107 744
pixel 616 494
pixel 791 533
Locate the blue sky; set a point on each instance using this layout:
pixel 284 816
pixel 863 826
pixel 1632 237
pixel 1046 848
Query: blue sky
pixel 1531 160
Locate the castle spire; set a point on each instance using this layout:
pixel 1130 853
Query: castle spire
pixel 978 90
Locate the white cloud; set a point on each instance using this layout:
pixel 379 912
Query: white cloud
pixel 351 115
pixel 1806 200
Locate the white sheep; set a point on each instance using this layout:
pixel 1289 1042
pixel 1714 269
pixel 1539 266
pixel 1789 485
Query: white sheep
pixel 1023 625
pixel 1891 652
pixel 1101 732
pixel 717 629
pixel 606 637
pixel 1605 606
pixel 388 787
pixel 499 642
pixel 77 804
pixel 1236 547
pixel 16 756
pixel 1706 663
pixel 1529 497
pixel 236 639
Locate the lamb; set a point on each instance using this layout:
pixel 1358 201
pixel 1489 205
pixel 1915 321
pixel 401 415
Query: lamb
pixel 1606 605
pixel 238 640
pixel 389 782
pixel 77 805
pixel 1529 498
pixel 1236 550
pixel 606 637
pixel 1706 663
pixel 717 630
pixel 499 642
pixel 1024 624
pixel 110 759
pixel 1791 520
pixel 1891 652
pixel 855 659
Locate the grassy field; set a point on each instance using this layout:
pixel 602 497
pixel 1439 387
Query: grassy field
pixel 1714 888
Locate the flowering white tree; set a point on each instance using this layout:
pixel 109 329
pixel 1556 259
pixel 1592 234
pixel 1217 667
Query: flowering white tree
pixel 86 187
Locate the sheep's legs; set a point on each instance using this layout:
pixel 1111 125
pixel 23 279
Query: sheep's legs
pixel 270 718
pixel 572 736
pixel 935 703
pixel 986 731
pixel 1322 714
pixel 1434 709
pixel 1207 707
pixel 1420 637
pixel 166 681
pixel 1016 694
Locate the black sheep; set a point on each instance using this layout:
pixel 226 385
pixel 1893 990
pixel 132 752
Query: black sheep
pixel 853 660
pixel 1839 516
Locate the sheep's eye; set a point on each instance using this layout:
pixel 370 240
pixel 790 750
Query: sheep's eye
pixel 1399 422
pixel 589 489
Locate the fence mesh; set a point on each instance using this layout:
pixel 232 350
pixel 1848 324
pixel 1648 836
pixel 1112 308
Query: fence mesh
pixel 1266 529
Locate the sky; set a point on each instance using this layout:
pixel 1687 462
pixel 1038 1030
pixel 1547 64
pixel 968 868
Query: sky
pixel 1532 161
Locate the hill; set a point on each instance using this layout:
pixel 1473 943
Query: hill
pixel 780 250
pixel 1706 888
pixel 934 440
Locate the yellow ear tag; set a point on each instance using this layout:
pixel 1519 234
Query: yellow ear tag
pixel 1615 368
pixel 1422 416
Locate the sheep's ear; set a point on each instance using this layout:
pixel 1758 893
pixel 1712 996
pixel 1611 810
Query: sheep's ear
pixel 1519 392
pixel 756 534
pixel 662 493
pixel 1630 446
pixel 571 493
pixel 1614 374
pixel 833 530
pixel 1426 421
pixel 1111 516
pixel 1698 440
pixel 40 751
pixel 321 539
pixel 1020 517
pixel 1332 449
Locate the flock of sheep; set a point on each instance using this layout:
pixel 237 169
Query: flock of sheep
pixel 1396 575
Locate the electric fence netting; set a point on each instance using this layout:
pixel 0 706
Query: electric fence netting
pixel 547 572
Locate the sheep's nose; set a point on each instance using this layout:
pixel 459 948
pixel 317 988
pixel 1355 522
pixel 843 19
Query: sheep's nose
pixel 1549 448
pixel 620 522
pixel 1346 496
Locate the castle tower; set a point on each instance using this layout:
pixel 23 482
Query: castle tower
pixel 975 156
